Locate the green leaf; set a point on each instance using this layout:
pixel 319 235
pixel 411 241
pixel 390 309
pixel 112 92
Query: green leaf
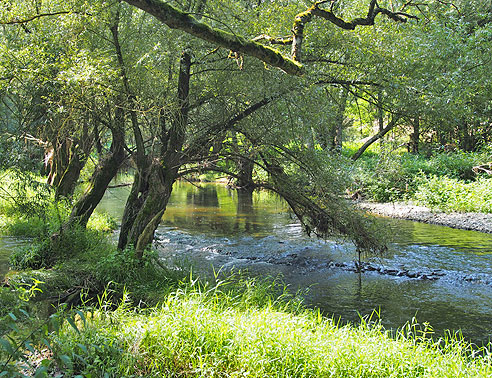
pixel 72 323
pixel 66 360
pixel 41 371
pixel 46 342
pixel 82 347
pixel 14 318
pixel 13 327
pixel 81 314
pixel 55 324
pixel 29 347
pixel 24 312
pixel 7 346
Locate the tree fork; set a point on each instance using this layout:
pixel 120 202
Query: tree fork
pixel 163 171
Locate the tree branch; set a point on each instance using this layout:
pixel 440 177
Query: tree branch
pixel 177 19
pixel 303 18
pixel 374 138
pixel 32 18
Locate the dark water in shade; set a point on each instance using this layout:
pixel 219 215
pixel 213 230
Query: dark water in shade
pixel 213 226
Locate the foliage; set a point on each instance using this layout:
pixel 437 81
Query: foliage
pixel 27 350
pixel 393 177
pixel 450 194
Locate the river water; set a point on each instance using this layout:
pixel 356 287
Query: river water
pixel 432 273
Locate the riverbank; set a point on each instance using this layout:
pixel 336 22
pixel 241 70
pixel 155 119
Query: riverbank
pixel 466 221
pixel 246 327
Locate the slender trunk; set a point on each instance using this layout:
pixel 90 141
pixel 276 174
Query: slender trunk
pixel 380 120
pixel 104 173
pixel 374 138
pixel 415 136
pixel 466 140
pixel 79 153
pixel 67 184
pixel 60 160
pixel 339 120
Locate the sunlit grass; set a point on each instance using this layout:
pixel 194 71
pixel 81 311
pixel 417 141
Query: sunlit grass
pixel 28 207
pixel 220 333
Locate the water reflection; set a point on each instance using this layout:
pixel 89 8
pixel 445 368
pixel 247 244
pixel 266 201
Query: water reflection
pixel 202 196
pixel 220 210
pixel 223 228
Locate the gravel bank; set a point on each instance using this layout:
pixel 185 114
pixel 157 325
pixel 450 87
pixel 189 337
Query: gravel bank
pixel 465 221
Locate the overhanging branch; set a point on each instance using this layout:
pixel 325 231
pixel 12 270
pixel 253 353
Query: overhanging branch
pixel 305 17
pixel 177 19
pixel 32 18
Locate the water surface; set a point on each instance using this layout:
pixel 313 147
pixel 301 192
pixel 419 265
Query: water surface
pixel 212 226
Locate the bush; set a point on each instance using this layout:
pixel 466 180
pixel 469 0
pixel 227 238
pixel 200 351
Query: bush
pixel 392 177
pixel 450 194
pixel 62 245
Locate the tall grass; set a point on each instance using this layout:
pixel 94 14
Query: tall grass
pixel 450 194
pixel 218 333
pixel 28 207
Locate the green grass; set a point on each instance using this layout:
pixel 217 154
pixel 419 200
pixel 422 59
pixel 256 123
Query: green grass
pixel 219 333
pixel 28 207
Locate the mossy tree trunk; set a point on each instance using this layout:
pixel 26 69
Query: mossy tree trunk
pixel 79 152
pixel 155 177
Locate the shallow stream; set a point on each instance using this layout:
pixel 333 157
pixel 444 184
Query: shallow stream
pixel 437 274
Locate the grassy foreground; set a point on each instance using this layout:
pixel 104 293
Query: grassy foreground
pixel 221 333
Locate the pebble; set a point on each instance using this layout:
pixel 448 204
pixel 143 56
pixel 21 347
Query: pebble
pixel 467 221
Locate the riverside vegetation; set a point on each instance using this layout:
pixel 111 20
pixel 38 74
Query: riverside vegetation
pixel 267 93
pixel 444 181
pixel 132 317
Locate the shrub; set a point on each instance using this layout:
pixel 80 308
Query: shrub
pixel 450 194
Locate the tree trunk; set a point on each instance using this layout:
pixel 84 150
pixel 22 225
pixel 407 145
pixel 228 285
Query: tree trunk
pixel 374 138
pixel 67 184
pixel 79 153
pixel 339 120
pixel 380 120
pixel 104 173
pixel 134 203
pixel 245 174
pixel 415 136
pixel 59 160
pixel 146 221
pixel 145 212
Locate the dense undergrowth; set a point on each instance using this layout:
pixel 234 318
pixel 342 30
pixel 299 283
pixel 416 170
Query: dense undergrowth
pixel 444 181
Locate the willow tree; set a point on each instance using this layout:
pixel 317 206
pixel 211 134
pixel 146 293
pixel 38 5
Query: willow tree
pixel 167 117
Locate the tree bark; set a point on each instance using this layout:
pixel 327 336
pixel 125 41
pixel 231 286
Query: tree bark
pixel 374 138
pixel 177 19
pixel 146 210
pixel 104 173
pixel 415 136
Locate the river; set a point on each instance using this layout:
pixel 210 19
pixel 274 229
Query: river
pixel 435 274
